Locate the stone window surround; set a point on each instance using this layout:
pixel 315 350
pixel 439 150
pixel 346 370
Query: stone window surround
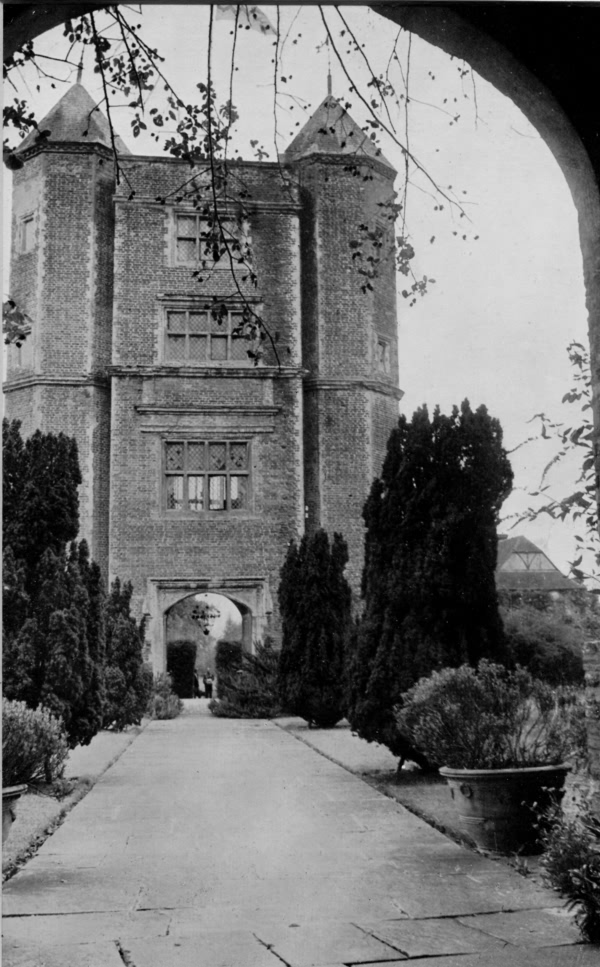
pixel 21 357
pixel 27 232
pixel 192 337
pixel 383 355
pixel 238 232
pixel 180 302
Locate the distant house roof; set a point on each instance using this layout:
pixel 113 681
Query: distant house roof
pixel 75 118
pixel 524 567
pixel 331 131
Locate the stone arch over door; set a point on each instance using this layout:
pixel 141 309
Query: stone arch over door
pixel 250 595
pixel 541 59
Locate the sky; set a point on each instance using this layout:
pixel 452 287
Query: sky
pixel 508 297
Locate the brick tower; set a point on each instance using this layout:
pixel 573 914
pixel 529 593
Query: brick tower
pixel 350 342
pixel 61 275
pixel 199 466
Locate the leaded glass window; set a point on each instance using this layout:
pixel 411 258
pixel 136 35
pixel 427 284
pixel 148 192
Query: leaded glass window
pixel 206 241
pixel 207 475
pixel 196 336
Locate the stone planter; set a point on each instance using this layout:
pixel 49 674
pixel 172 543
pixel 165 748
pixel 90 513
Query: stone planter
pixel 498 808
pixel 10 794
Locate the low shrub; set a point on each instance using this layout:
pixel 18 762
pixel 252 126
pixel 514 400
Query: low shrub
pixel 571 864
pixel 488 718
pixel 164 704
pixel 34 745
pixel 251 686
pixel 228 662
pixel 181 662
pixel 129 697
pixel 544 643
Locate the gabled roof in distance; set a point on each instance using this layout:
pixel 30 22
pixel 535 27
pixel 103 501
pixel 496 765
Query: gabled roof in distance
pixel 522 566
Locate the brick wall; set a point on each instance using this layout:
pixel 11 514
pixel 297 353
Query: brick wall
pixel 347 420
pixel 318 410
pixel 154 400
pixel 65 284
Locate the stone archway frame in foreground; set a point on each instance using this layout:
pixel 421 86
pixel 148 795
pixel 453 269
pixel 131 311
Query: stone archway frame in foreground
pixel 471 35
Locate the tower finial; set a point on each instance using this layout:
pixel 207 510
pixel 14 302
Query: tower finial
pixel 80 69
pixel 329 84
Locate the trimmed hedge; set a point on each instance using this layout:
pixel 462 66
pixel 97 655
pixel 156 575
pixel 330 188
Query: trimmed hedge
pixel 228 662
pixel 251 686
pixel 315 603
pixel 181 662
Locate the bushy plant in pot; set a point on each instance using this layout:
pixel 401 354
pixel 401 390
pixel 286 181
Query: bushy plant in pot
pixel 34 751
pixel 502 738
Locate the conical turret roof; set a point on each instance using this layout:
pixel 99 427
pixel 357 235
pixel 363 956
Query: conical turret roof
pixel 75 118
pixel 331 131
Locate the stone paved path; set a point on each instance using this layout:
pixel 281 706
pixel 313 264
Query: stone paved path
pixel 220 843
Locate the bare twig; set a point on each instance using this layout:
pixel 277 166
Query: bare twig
pixel 380 123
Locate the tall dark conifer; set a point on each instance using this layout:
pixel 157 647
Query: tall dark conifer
pixel 47 661
pixel 315 603
pixel 129 680
pixel 430 556
pixel 84 574
pixel 50 499
pixel 52 602
pixel 13 478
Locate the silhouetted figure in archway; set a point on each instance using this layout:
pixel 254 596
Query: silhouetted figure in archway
pixel 207 681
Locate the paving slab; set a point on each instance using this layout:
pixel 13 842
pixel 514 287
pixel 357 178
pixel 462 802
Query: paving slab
pixel 431 938
pixel 571 956
pixel 199 952
pixel 220 843
pixel 527 928
pixel 306 945
pixel 67 955
pixel 86 928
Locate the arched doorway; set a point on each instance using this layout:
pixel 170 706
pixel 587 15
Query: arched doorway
pixel 194 626
pixel 246 601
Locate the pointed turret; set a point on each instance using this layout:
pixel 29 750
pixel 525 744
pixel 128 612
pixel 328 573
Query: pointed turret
pixel 62 276
pixel 332 131
pixel 76 118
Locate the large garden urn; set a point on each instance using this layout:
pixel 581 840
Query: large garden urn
pixel 10 795
pixel 501 810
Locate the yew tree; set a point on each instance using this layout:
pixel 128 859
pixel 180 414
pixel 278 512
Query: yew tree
pixel 428 582
pixel 129 681
pixel 315 604
pixel 40 482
